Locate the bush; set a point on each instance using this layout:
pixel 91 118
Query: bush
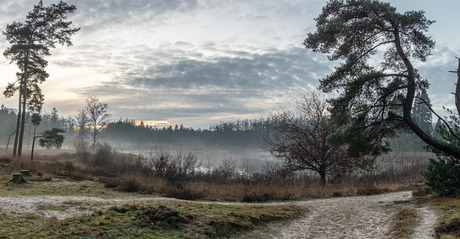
pixel 174 168
pixel 82 149
pixel 443 176
pixel 451 227
pixel 184 194
pixel 129 185
pixel 257 198
pixel 102 155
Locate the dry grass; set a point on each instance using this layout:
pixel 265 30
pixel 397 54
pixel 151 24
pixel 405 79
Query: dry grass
pixel 126 173
pixel 449 223
pixel 405 222
pixel 448 211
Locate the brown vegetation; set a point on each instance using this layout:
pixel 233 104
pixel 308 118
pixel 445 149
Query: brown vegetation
pixel 127 172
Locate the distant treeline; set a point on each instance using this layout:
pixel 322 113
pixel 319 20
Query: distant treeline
pixel 240 133
pixel 8 117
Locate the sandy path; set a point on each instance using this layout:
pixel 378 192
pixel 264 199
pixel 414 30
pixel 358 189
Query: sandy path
pixel 425 229
pixel 348 217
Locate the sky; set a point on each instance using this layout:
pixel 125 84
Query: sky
pixel 200 62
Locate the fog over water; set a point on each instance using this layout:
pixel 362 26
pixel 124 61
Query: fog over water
pixel 241 157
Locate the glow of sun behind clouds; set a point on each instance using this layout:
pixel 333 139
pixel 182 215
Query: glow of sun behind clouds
pixel 153 123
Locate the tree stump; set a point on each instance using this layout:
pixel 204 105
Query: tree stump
pixel 25 173
pixel 18 178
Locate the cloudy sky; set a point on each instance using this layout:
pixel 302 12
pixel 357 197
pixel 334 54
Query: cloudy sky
pixel 199 62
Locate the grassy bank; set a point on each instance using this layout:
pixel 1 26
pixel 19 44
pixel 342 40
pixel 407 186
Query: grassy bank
pixel 159 220
pixel 448 226
pixel 148 218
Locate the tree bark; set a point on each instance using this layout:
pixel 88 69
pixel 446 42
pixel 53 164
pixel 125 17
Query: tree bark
pixel 24 101
pixel 18 124
pixel 408 102
pixel 457 89
pixel 322 178
pixel 33 147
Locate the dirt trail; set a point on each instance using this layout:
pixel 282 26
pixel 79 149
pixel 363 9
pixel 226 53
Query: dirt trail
pixel 349 217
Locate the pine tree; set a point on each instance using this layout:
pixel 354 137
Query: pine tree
pixel 30 43
pixel 421 112
pixel 437 129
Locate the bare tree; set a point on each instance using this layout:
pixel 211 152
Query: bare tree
pixel 301 140
pixel 96 112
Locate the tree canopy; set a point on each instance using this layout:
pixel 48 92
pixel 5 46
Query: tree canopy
pixel 359 33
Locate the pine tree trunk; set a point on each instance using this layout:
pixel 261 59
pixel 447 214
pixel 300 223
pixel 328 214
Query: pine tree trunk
pixel 18 124
pixel 23 122
pixel 24 102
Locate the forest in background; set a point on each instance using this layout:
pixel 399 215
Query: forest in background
pixel 247 134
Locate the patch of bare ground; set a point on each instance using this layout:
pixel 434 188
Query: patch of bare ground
pixel 352 217
pixel 63 207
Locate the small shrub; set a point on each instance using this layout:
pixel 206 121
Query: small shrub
pixel 422 191
pixel 68 168
pixel 82 149
pixel 129 185
pixel 174 168
pixel 371 190
pixel 337 194
pixel 443 177
pixel 5 160
pixel 257 198
pixel 184 194
pixel 109 182
pixel 160 216
pixel 102 156
pixel 451 227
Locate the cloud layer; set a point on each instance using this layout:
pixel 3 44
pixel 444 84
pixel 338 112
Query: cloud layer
pixel 198 62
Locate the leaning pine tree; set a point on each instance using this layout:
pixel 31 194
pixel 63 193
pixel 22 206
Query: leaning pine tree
pixel 376 99
pixel 30 42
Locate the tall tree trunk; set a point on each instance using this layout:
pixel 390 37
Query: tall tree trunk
pixel 18 125
pixel 24 101
pixel 23 120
